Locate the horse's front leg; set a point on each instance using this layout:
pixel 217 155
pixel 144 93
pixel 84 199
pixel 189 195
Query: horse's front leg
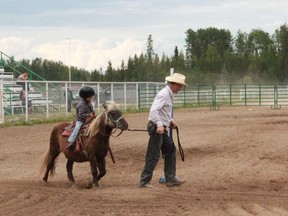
pixel 94 171
pixel 102 168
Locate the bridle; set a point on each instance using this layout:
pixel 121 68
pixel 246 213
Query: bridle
pixel 115 122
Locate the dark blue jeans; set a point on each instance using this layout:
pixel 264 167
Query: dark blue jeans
pixel 158 143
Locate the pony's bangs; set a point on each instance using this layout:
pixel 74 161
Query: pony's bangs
pixel 94 125
pixel 111 105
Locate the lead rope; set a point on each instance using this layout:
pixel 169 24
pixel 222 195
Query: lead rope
pixel 181 151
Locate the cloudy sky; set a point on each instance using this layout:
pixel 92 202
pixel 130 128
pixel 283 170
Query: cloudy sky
pixel 96 31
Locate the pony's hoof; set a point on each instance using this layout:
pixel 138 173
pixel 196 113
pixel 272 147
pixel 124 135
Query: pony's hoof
pixel 89 185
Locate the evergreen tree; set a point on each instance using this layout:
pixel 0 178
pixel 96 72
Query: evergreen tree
pixel 282 51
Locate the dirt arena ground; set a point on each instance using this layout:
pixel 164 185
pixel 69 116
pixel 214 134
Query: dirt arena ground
pixel 235 164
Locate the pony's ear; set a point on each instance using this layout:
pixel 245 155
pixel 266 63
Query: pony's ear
pixel 104 105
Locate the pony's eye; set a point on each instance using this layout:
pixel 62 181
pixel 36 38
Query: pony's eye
pixel 112 114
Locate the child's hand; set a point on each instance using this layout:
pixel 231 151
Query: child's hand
pixel 92 114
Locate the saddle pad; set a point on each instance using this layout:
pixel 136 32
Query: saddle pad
pixel 66 133
pixel 68 130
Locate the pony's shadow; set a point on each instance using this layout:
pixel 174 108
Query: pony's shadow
pixel 66 185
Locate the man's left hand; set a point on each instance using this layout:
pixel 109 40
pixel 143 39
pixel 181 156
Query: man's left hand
pixel 173 125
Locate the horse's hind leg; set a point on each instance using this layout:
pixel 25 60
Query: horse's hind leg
pixel 102 168
pixel 69 168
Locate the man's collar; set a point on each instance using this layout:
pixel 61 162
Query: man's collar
pixel 170 90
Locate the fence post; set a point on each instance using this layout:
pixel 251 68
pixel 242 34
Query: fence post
pixel 26 102
pixel 184 97
pixel 214 102
pixel 1 102
pixel 245 94
pixel 66 97
pixel 137 96
pixel 125 96
pixel 198 95
pixel 230 91
pixel 260 95
pixel 47 98
pixel 276 106
pixel 112 91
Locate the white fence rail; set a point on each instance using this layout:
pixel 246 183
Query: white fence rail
pixel 49 98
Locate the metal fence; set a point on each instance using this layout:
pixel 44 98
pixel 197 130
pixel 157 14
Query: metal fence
pixel 49 98
pixel 216 95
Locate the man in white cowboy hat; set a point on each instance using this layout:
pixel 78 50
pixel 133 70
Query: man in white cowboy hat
pixel 160 118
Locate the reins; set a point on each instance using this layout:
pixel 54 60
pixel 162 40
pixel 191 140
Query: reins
pixel 181 151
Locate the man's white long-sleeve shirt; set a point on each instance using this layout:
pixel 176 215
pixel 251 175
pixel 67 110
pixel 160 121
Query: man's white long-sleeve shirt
pixel 161 109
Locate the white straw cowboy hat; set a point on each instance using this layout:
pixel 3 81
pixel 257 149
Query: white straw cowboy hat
pixel 176 78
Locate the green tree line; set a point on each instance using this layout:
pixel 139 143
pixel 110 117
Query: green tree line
pixel 211 55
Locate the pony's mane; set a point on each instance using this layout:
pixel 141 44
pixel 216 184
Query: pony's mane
pixel 111 105
pixel 95 124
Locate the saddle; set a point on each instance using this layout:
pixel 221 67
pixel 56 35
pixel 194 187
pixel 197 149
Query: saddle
pixel 68 130
pixel 82 132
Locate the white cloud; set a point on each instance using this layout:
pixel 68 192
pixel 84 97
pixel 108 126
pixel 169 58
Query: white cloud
pixel 103 31
pixel 14 44
pixel 83 53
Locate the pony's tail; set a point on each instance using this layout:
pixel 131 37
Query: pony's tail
pixel 50 156
pixel 44 161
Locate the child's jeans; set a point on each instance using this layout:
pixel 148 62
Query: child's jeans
pixel 75 132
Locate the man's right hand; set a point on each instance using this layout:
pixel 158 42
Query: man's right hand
pixel 160 130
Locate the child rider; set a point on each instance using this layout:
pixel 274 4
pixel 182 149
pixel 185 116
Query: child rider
pixel 84 110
